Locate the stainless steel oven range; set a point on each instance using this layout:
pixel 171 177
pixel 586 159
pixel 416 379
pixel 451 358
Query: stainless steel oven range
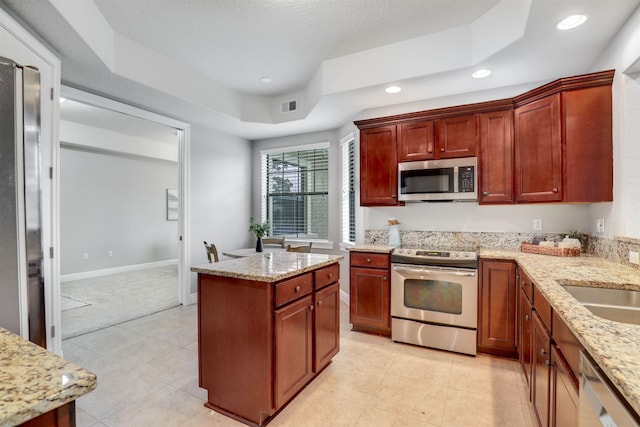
pixel 434 299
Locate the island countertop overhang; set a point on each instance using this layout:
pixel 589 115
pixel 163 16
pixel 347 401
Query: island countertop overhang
pixel 268 267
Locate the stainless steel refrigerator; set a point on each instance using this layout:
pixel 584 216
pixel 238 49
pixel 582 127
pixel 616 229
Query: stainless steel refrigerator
pixel 22 309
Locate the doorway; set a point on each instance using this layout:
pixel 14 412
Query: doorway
pixel 122 212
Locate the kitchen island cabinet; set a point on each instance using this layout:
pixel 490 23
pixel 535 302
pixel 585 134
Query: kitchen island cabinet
pixel 267 325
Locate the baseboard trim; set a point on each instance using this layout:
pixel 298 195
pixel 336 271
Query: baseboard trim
pixel 344 297
pixel 107 271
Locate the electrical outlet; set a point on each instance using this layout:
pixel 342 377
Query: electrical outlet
pixel 600 225
pixel 85 256
pixel 537 224
pixel 634 257
pixel 110 253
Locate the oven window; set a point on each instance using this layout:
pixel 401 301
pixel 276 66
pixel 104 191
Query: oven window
pixel 433 295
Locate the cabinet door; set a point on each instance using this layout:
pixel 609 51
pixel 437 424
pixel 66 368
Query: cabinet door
pixel 457 137
pixel 416 141
pixel 496 157
pixel 541 344
pixel 294 346
pixel 378 167
pixel 524 335
pixel 496 328
pixel 564 392
pixel 370 300
pixel 327 326
pixel 538 150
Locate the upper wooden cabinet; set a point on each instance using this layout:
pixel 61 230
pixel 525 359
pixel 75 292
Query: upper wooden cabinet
pixel 457 137
pixel 538 148
pixel 495 173
pixel 378 167
pixel 551 144
pixel 563 141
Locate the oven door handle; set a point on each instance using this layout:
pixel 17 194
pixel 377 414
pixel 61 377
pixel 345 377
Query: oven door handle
pixel 432 270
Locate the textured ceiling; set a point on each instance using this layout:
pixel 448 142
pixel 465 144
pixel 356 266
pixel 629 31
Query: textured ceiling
pixel 200 61
pixel 236 42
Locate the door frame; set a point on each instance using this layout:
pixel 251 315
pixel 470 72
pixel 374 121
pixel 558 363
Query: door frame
pixel 184 139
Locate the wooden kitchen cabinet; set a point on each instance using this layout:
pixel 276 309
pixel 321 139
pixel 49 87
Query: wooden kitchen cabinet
pixel 496 158
pixel 457 137
pixel 540 373
pixel 538 151
pixel 563 392
pixel 378 167
pixel 563 141
pixel 416 141
pixel 370 292
pixel 260 343
pixel 497 308
pixel 525 312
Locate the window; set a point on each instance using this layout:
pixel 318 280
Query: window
pixel 295 192
pixel 348 190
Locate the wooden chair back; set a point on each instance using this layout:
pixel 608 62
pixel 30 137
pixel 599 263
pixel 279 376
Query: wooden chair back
pixel 273 241
pixel 211 252
pixel 304 249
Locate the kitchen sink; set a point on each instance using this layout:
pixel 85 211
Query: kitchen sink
pixel 619 305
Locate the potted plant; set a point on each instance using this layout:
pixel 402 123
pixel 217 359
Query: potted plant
pixel 260 231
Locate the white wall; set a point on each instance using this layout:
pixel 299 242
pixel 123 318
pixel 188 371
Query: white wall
pixel 220 177
pixel 114 202
pixel 622 216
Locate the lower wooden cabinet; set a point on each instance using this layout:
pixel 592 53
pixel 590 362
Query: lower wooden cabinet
pixel 64 416
pixel 540 373
pixel 525 312
pixel 563 392
pixel 370 293
pixel 497 308
pixel 327 325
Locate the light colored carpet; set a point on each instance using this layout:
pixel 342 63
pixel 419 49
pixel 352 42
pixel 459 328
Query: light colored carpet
pixel 92 304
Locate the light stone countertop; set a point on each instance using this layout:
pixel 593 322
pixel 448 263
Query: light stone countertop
pixel 34 381
pixel 384 249
pixel 268 267
pixel 613 345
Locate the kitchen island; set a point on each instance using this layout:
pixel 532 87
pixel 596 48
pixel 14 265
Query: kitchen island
pixel 38 387
pixel 267 325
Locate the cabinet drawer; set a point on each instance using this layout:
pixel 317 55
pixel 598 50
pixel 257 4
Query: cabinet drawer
pixel 293 289
pixel 526 285
pixel 327 275
pixel 567 343
pixel 541 305
pixel 371 260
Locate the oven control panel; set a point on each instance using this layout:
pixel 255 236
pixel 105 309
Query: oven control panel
pixel 435 254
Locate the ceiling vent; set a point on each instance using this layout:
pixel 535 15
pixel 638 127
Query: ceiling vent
pixel 289 106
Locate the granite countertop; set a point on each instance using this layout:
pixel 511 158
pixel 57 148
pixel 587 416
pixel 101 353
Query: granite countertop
pixel 34 381
pixel 613 345
pixel 383 249
pixel 268 267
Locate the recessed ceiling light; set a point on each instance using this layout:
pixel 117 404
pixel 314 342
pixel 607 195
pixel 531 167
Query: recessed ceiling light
pixel 393 89
pixel 481 73
pixel 571 21
pixel 266 79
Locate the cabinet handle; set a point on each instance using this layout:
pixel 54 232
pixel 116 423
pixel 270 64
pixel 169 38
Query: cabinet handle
pixel 547 363
pixel 442 150
pixel 542 352
pixel 311 307
pixel 384 278
pixel 393 196
pixel 485 193
pixel 368 259
pixel 319 303
pixel 330 275
pixel 555 190
pixel 526 317
pixel 297 289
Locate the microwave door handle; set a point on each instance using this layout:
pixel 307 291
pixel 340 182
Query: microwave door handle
pixel 455 179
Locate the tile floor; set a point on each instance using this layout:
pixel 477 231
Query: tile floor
pixel 147 376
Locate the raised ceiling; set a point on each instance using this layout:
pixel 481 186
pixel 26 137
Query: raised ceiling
pixel 202 61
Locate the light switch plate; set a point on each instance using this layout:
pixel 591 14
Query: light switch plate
pixel 600 225
pixel 634 257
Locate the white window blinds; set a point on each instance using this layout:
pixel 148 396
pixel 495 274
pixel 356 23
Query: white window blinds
pixel 348 191
pixel 295 190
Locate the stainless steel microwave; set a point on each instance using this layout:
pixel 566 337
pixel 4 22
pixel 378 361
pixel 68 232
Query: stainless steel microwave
pixel 438 180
